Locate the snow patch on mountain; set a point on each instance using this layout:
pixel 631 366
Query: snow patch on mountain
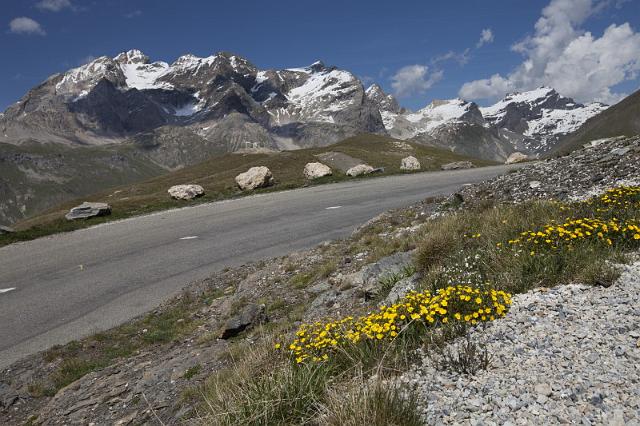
pixel 145 76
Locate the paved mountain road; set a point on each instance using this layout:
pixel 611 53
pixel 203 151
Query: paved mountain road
pixel 64 287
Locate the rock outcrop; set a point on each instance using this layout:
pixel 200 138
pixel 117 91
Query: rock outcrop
pixel 186 192
pixel 254 178
pixel 87 210
pixel 316 170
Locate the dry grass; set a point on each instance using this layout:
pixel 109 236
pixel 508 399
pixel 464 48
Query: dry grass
pixel 217 175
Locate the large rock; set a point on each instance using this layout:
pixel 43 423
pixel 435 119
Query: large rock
pixel 186 192
pixel 360 169
pixel 255 177
pixel 250 315
pixel 87 210
pixel 457 165
pixel 6 230
pixel 410 163
pixel 316 170
pixel 516 157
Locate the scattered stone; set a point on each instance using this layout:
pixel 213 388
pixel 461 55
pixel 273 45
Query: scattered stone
pixel 561 355
pixel 583 173
pixel 360 169
pixel 516 157
pixel 255 177
pixel 87 210
pixel 534 184
pixel 410 163
pixel 250 315
pixel 186 192
pixel 316 170
pixel 457 165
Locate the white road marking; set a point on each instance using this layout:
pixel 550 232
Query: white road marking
pixel 333 207
pixel 193 237
pixel 6 290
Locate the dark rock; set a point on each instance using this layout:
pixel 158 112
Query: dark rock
pixel 6 230
pixel 87 210
pixel 250 315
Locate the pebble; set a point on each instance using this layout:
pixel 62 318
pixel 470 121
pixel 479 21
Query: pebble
pixel 547 368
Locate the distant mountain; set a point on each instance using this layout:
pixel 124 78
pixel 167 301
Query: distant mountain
pixel 122 119
pixel 621 119
pixel 531 122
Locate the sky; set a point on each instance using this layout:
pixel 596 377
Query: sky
pixel 417 50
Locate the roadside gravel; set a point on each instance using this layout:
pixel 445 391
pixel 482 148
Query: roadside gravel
pixel 570 354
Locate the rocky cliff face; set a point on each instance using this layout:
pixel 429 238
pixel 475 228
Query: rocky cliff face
pixel 112 99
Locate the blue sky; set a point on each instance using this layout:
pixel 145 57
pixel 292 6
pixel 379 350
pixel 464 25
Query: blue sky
pixel 420 50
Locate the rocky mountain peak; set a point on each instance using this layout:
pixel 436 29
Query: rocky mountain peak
pixel 133 56
pixel 384 101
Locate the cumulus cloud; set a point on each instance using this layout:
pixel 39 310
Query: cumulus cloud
pixel 53 5
pixel 564 56
pixel 24 25
pixel 414 79
pixel 486 37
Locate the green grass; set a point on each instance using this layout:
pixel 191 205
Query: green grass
pixel 76 359
pixel 217 176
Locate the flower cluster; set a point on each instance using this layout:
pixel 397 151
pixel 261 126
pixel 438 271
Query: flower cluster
pixel 317 341
pixel 622 197
pixel 607 231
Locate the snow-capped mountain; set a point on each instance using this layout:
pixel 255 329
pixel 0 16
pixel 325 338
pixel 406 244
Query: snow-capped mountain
pixel 542 115
pixel 223 99
pixel 531 122
pixel 224 103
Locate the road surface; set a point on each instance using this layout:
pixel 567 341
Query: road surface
pixel 64 287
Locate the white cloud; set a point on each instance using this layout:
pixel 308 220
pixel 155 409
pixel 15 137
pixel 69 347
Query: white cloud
pixel 564 56
pixel 53 5
pixel 486 37
pixel 24 25
pixel 487 88
pixel 462 58
pixel 414 79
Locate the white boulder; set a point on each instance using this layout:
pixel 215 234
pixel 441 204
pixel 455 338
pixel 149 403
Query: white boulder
pixel 360 169
pixel 410 163
pixel 255 177
pixel 516 157
pixel 185 192
pixel 316 170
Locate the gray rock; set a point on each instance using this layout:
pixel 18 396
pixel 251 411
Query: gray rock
pixel 401 288
pixel 255 177
pixel 410 163
pixel 316 170
pixel 250 315
pixel 6 230
pixel 360 169
pixel 185 192
pixel 456 165
pixel 87 210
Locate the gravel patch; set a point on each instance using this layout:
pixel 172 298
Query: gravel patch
pixel 570 354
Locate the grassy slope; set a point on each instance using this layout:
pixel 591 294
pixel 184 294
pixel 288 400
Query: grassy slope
pixel 621 119
pixel 217 175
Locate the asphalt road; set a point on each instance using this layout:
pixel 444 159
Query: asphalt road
pixel 64 287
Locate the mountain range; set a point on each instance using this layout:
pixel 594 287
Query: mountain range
pixel 135 118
